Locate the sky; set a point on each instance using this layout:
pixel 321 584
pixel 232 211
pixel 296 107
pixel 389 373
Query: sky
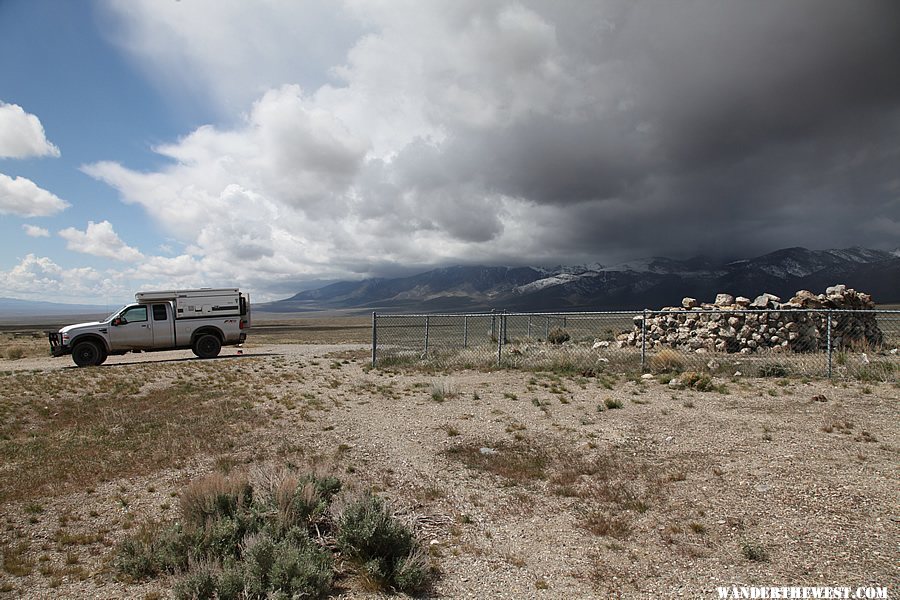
pixel 275 145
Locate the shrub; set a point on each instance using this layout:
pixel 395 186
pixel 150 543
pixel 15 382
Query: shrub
pixel 412 571
pixel 301 570
pixel 230 585
pixel 214 497
pixel 15 353
pixel 154 550
pixel 386 550
pixel 666 360
pixel 698 381
pixel 302 501
pixel 221 538
pixel 259 556
pixel 612 403
pixel 239 545
pixel 773 370
pixel 558 336
pixel 199 584
pixel 599 522
pixel 754 552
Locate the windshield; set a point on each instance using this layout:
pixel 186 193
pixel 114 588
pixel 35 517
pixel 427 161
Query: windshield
pixel 115 313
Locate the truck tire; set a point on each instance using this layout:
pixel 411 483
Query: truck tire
pixel 88 354
pixel 207 346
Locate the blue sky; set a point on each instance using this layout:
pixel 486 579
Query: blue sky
pixel 91 103
pixel 157 143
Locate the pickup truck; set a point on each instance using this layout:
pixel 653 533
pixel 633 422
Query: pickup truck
pixel 202 320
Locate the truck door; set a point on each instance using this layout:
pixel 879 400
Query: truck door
pixel 163 327
pixel 131 330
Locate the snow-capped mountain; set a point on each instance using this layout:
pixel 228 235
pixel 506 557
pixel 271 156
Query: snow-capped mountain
pixel 651 283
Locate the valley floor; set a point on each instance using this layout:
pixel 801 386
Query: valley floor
pixel 520 484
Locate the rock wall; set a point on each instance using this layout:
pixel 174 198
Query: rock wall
pixel 740 325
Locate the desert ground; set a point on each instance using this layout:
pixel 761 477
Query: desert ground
pixel 519 483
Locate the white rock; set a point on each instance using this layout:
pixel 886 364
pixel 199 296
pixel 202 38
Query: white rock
pixel 724 299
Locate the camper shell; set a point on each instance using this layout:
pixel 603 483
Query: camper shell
pixel 221 302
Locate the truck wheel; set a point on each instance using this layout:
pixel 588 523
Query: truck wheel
pixel 86 354
pixel 207 346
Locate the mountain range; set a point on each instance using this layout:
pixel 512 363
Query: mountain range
pixel 647 283
pixel 13 307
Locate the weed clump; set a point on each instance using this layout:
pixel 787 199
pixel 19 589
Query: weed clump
pixel 558 336
pixel 773 370
pixel 754 552
pixel 15 353
pixel 697 381
pixel 613 403
pixel 666 361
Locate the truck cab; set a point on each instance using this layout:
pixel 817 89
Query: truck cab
pixel 143 326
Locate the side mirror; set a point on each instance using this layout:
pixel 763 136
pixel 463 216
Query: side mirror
pixel 117 321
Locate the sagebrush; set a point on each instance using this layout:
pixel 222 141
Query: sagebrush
pixel 234 540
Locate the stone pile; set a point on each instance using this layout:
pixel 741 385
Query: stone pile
pixel 742 325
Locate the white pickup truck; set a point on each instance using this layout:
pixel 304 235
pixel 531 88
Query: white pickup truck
pixel 203 320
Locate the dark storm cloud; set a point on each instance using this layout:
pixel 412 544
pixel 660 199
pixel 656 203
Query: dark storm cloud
pixel 720 127
pixel 528 132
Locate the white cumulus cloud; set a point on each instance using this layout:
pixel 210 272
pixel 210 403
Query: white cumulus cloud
pixel 40 278
pixel 22 135
pixel 22 197
pixel 99 239
pixel 35 231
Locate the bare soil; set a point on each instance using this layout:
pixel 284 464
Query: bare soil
pixel 522 484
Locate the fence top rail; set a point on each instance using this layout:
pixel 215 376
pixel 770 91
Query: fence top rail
pixel 500 313
pixel 638 312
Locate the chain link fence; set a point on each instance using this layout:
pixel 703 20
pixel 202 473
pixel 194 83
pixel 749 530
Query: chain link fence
pixel 813 343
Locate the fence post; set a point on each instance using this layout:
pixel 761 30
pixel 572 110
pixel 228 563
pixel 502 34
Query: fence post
pixel 493 324
pixel 529 327
pixel 500 342
pixel 828 330
pixel 374 336
pixel 547 333
pixel 465 331
pixel 644 341
pixel 426 337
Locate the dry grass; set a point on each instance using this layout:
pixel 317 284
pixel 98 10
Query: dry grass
pixel 69 430
pixel 617 488
pixel 213 496
pixel 23 344
pixel 667 361
pixel 516 462
pixel 270 329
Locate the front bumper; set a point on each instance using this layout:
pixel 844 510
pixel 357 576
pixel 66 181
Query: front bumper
pixel 56 346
